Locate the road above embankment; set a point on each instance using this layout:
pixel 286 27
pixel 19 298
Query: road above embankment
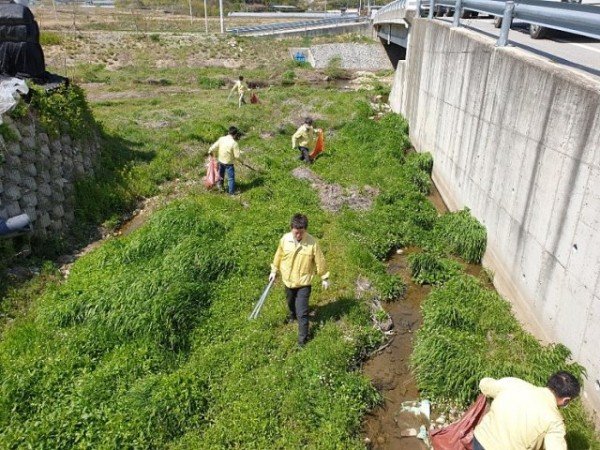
pixel 577 52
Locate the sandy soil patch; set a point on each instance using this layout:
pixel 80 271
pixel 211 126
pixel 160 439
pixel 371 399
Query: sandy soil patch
pixel 333 196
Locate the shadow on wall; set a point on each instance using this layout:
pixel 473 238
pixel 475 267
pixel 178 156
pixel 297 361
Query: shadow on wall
pixel 394 52
pixel 109 190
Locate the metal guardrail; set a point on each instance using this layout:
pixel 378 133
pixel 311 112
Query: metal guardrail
pixel 294 25
pixel 395 6
pixel 570 17
pixel 287 15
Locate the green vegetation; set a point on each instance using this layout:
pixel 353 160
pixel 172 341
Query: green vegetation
pixel 334 69
pixel 92 73
pixel 147 343
pixel 429 268
pixel 7 133
pixel 288 77
pixel 468 333
pixel 210 82
pixel 462 235
pixel 63 111
pixel 50 38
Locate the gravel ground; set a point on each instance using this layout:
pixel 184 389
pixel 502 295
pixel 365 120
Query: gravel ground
pixel 371 57
pixel 333 196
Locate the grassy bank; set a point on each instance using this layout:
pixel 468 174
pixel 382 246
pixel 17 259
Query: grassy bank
pixel 147 343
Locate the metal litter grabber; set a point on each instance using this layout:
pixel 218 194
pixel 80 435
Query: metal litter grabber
pixel 261 301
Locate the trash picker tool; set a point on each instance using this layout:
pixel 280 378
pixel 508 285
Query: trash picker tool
pixel 250 167
pixel 261 301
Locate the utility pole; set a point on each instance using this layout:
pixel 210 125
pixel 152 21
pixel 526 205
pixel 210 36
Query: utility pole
pixel 221 16
pixel 191 17
pixel 205 17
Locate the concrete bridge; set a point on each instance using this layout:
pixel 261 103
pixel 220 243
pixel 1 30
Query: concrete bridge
pixel 516 138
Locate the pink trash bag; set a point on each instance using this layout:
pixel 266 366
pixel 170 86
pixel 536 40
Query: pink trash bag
pixel 212 173
pixel 458 436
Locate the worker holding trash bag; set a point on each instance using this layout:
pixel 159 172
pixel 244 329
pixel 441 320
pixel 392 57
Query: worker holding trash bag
pixel 227 152
pixel 523 416
pixel 298 258
pixel 304 140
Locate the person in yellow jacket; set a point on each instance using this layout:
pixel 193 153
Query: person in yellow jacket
pixel 299 258
pixel 227 151
pixel 523 416
pixel 241 89
pixel 304 139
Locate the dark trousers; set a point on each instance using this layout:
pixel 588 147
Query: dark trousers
pixel 230 170
pixel 304 154
pixel 476 444
pixel 297 301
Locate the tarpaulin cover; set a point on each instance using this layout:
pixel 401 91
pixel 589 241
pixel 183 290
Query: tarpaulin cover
pixel 458 436
pixel 20 33
pixel 319 145
pixel 10 88
pixel 22 58
pixel 212 173
pixel 22 222
pixel 14 14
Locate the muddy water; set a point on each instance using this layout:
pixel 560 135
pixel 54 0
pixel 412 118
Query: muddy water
pixel 390 372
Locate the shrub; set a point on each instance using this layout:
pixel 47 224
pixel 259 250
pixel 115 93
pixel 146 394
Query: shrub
pixel 64 111
pixel 206 82
pixel 288 77
pixel 334 69
pixel 428 268
pixel 468 333
pixel 50 38
pixel 8 134
pixel 462 235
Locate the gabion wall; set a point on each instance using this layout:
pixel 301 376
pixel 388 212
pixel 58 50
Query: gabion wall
pixel 38 174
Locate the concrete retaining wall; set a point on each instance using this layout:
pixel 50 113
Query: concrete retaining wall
pixel 37 174
pixel 517 140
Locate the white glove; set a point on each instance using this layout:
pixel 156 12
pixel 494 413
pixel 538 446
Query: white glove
pixel 325 284
pixel 272 276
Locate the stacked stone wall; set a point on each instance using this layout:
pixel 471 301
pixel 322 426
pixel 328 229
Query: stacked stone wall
pixel 38 174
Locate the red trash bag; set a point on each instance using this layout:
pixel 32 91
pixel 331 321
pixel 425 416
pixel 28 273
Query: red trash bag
pixel 212 173
pixel 319 145
pixel 254 99
pixel 458 436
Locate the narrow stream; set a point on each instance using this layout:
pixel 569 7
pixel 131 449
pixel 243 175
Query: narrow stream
pixel 390 371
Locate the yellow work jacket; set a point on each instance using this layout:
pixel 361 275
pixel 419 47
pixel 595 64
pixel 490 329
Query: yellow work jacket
pixel 304 137
pixel 522 417
pixel 227 148
pixel 240 86
pixel 299 261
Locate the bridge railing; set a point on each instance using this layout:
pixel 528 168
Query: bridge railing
pixel 571 17
pixel 274 27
